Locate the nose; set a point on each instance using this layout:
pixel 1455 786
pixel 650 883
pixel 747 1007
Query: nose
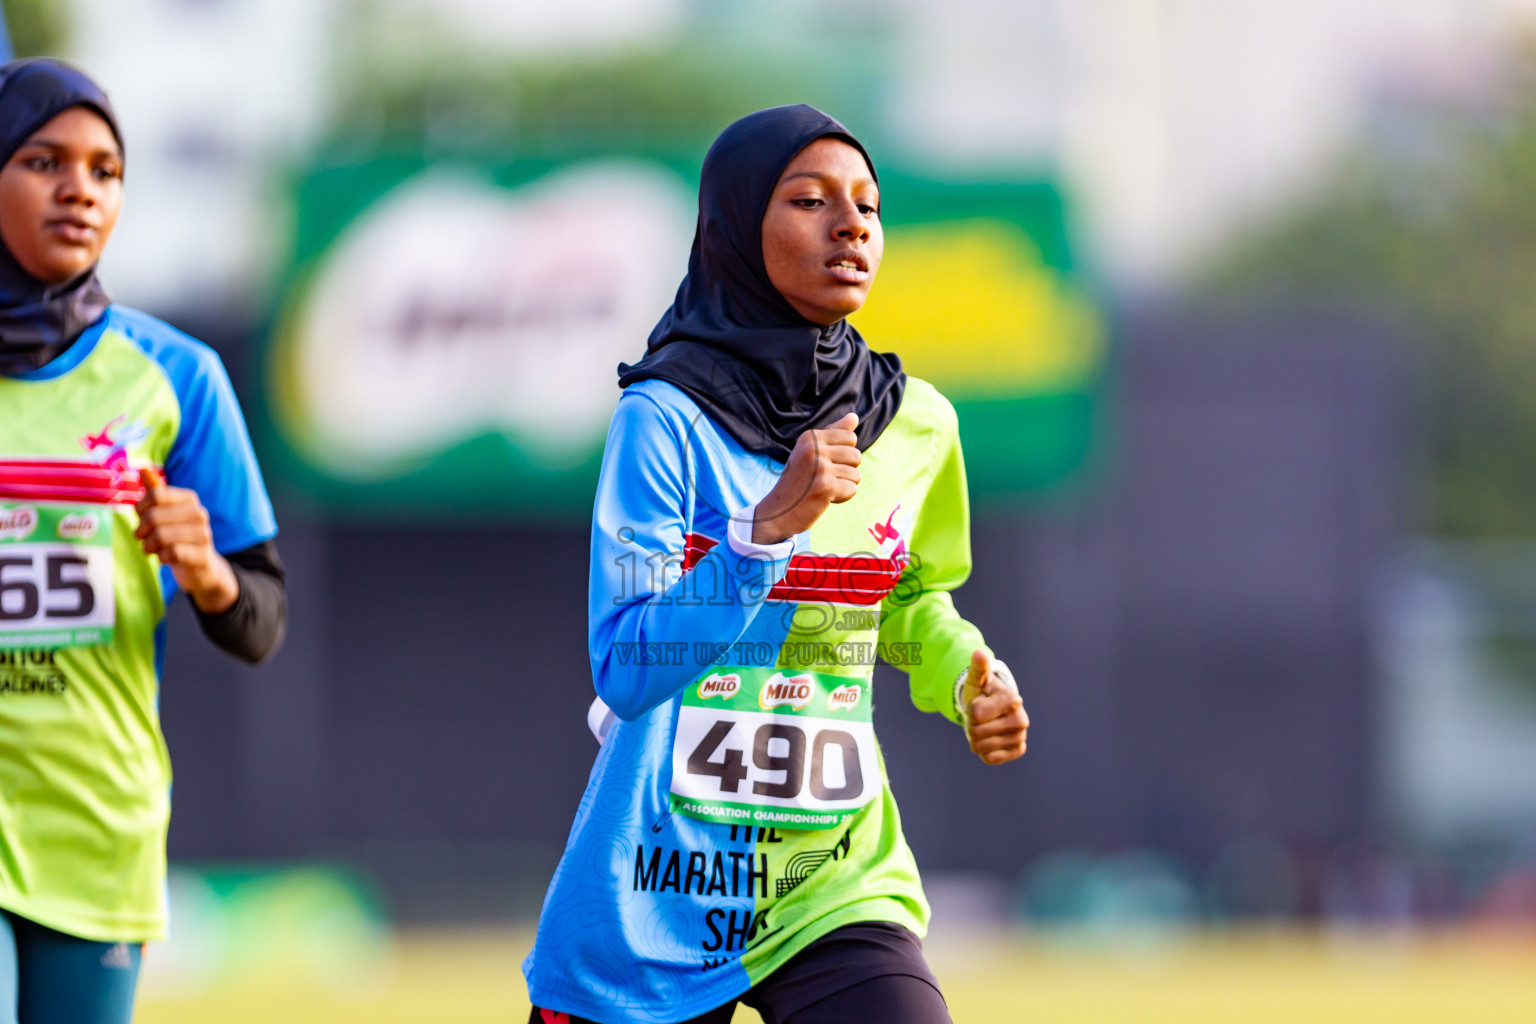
pixel 76 186
pixel 850 225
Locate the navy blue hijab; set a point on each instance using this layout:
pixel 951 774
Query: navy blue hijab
pixel 762 371
pixel 38 322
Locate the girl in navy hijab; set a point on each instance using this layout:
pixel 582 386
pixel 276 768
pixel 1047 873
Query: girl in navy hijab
pixel 126 475
pixel 39 319
pixel 761 368
pixel 777 506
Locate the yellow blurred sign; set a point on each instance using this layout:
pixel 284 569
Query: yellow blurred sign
pixel 973 308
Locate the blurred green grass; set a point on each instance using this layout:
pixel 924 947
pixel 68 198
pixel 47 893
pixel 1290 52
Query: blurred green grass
pixel 470 976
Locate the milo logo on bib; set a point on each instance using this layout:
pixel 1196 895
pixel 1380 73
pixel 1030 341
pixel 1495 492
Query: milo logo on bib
pixel 718 685
pixel 793 692
pixel 845 697
pixel 755 746
pixel 17 522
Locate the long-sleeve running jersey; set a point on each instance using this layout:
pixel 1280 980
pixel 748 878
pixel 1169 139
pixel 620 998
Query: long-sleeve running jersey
pixel 85 777
pixel 739 809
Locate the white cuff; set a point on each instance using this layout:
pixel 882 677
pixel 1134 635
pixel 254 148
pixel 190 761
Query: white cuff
pixel 739 535
pixel 999 668
pixel 600 720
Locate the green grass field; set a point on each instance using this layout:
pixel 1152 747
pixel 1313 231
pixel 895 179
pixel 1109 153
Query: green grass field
pixel 1254 977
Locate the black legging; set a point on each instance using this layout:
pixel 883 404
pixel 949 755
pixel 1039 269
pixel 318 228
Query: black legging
pixel 871 972
pixel 891 999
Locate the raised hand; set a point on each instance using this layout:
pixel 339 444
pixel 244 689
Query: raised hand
pixel 822 470
pixel 173 525
pixel 995 720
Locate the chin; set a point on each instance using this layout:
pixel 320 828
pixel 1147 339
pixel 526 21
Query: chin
pixel 832 316
pixel 829 309
pixel 843 307
pixel 65 270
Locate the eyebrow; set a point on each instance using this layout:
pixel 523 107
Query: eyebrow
pixel 823 176
pixel 115 153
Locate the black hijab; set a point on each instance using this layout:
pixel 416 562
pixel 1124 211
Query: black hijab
pixel 38 322
pixel 762 371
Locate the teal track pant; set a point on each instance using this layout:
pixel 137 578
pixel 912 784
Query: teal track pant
pixel 47 977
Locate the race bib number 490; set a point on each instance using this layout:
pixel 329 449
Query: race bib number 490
pixel 55 575
pixel 761 747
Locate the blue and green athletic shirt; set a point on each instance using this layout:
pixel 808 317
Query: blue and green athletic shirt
pixel 739 808
pixel 84 775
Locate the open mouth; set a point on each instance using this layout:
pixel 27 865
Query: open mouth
pixel 848 259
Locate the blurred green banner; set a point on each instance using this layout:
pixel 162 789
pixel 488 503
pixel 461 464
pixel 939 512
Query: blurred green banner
pixel 448 331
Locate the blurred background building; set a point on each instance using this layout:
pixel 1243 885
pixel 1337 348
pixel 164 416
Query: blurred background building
pixel 1234 298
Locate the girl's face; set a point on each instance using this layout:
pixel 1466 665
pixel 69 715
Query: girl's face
pixel 821 232
pixel 60 194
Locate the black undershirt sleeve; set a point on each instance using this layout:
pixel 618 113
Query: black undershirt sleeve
pixel 252 628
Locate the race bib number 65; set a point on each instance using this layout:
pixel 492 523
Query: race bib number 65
pixel 55 576
pixel 761 747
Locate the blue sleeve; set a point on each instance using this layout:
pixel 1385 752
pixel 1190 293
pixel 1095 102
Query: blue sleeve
pixel 644 613
pixel 212 453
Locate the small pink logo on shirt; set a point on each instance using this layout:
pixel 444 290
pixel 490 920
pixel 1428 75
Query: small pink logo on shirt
pixel 891 534
pixel 112 452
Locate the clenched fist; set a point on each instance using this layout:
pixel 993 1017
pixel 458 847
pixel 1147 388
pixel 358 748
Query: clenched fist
pixel 174 525
pixel 995 720
pixel 822 470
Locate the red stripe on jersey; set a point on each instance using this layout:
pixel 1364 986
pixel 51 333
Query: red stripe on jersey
pixel 74 480
pixel 862 579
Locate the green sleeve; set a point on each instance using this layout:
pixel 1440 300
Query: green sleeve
pixel 919 614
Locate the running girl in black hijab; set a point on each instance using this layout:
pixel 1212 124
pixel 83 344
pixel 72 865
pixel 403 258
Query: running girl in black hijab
pixel 125 476
pixel 777 506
